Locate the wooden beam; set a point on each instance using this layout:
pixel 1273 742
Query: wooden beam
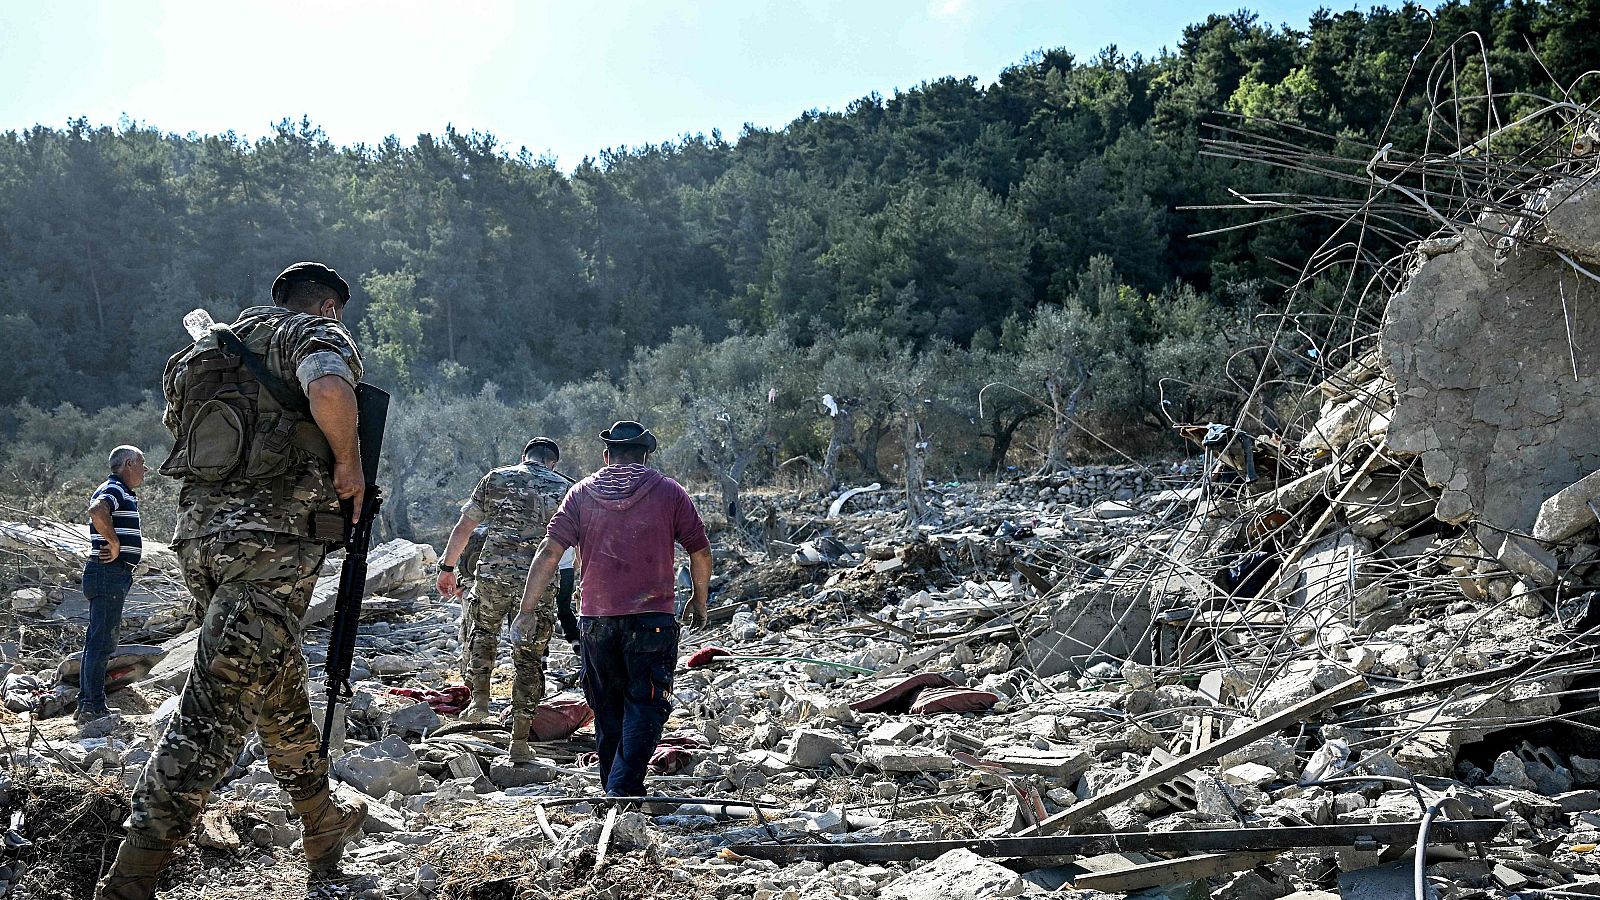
pixel 1272 724
pixel 1442 831
pixel 1173 871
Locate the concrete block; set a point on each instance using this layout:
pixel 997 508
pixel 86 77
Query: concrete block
pixel 1567 511
pixel 377 769
pixel 892 733
pixel 812 749
pixel 1064 766
pixel 506 775
pixel 1253 774
pixel 1112 509
pixel 1527 559
pixel 957 875
pixel 906 760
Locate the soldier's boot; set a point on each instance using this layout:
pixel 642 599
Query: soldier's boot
pixel 478 710
pixel 327 824
pixel 521 750
pixel 133 874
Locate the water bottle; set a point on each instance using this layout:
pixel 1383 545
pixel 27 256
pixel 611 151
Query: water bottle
pixel 198 322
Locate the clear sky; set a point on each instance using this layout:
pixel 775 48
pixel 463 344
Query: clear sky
pixel 562 78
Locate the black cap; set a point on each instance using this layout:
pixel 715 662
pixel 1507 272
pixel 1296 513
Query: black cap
pixel 629 434
pixel 542 441
pixel 321 273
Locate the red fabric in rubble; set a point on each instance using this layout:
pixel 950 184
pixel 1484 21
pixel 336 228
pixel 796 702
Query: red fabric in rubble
pixel 953 700
pixel 449 701
pixel 898 697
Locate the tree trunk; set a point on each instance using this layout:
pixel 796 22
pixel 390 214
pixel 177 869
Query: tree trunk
pixel 1063 410
pixel 916 460
pixel 1003 433
pixel 842 435
pixel 729 479
pixel 866 451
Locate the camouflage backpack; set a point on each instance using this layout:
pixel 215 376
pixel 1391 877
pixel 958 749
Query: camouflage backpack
pixel 230 416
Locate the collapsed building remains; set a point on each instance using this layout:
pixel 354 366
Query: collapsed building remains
pixel 1348 653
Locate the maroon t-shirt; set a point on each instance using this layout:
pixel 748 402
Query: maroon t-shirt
pixel 624 521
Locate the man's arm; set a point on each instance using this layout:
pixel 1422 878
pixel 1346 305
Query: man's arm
pixel 541 572
pixel 449 585
pixel 700 591
pixel 100 515
pixel 333 406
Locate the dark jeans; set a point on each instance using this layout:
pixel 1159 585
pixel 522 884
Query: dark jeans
pixel 569 622
pixel 628 663
pixel 106 585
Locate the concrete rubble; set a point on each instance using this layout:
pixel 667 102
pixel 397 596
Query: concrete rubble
pixel 1248 677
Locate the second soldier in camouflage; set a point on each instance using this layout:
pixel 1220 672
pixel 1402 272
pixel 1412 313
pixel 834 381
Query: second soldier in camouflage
pixel 515 503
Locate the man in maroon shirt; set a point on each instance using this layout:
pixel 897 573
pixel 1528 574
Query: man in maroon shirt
pixel 624 520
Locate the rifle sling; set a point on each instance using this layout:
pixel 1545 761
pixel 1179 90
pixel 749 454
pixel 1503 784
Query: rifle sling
pixel 287 397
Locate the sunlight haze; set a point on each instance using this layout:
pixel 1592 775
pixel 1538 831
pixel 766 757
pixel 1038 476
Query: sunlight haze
pixel 563 79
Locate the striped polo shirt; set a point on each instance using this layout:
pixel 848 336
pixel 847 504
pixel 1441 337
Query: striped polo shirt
pixel 124 519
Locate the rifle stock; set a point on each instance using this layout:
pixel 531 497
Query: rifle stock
pixel 372 407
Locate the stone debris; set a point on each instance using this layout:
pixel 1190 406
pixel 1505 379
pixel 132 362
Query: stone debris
pixel 1381 615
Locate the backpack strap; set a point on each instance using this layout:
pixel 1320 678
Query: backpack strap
pixel 287 397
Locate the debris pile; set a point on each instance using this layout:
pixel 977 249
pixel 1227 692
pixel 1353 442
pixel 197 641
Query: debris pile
pixel 1353 656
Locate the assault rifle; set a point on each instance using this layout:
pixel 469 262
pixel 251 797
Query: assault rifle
pixel 372 410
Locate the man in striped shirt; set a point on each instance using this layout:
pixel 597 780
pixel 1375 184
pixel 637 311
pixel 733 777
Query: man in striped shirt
pixel 115 545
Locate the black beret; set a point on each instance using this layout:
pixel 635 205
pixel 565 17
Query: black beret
pixel 542 442
pixel 321 273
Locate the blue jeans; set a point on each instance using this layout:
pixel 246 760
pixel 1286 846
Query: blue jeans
pixel 106 585
pixel 628 663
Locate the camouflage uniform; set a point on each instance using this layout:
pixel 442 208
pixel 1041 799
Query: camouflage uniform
pixel 250 561
pixel 516 502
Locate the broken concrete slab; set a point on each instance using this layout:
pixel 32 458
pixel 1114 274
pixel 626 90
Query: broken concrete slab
pixel 1093 620
pixel 957 875
pixel 906 760
pixel 1343 422
pixel 1063 766
pixel 811 749
pixel 1497 431
pixel 377 769
pixel 1522 557
pixel 394 569
pixel 1568 511
pixel 173 669
pixel 1385 882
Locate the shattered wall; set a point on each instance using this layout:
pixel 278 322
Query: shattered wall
pixel 1478 348
pixel 1091 624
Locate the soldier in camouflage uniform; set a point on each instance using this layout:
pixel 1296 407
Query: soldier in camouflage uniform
pixel 263 413
pixel 516 503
